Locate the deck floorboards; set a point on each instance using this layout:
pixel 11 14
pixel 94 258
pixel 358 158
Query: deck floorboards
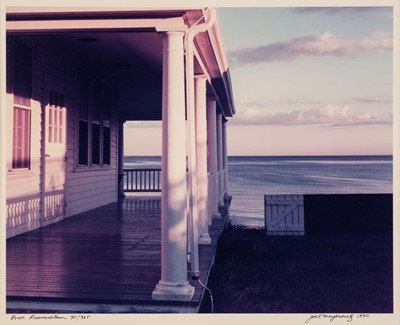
pixel 106 255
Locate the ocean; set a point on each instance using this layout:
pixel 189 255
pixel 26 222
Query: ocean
pixel 251 177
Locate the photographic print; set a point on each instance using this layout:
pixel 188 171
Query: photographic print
pixel 207 158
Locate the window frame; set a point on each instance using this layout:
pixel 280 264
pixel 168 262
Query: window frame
pixel 22 55
pixel 96 99
pixel 56 124
pixel 26 139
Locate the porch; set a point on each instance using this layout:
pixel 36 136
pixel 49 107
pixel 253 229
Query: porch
pixel 106 260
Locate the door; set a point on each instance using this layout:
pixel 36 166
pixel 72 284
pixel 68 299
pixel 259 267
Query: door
pixel 54 150
pixel 284 214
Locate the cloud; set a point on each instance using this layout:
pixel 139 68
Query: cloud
pixel 326 44
pixel 372 99
pixel 329 116
pixel 278 101
pixel 351 11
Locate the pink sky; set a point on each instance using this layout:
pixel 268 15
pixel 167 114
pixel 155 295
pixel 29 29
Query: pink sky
pixel 306 81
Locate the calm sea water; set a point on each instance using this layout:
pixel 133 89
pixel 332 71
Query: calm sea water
pixel 250 178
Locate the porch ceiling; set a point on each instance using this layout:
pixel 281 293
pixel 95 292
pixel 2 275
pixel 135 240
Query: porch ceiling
pixel 134 61
pixel 123 53
pixel 131 60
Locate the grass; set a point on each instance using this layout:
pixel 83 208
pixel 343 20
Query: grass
pixel 255 273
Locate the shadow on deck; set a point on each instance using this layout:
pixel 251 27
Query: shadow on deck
pixel 103 260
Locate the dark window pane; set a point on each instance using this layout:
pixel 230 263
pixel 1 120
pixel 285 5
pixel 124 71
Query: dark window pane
pixel 83 143
pixel 27 138
pixel 106 146
pixel 95 144
pixel 22 74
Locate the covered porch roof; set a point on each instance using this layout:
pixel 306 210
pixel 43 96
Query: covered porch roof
pixel 158 60
pixel 125 44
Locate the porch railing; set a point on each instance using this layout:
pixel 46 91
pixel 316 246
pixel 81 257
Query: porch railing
pixel 142 180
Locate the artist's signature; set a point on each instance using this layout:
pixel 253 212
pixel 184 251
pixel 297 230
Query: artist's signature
pixel 50 317
pixel 331 318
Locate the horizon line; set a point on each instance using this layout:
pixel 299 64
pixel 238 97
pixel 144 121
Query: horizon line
pixel 314 155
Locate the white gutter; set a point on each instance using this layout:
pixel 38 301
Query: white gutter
pixel 193 212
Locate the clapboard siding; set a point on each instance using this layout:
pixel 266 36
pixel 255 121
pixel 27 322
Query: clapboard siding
pixel 24 185
pixel 71 134
pixel 84 189
pixel 90 189
pixel 23 208
pixel 91 192
pixel 91 182
pixel 94 175
pixel 52 58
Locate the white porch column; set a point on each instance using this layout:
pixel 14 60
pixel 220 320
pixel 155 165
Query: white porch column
pixel 220 158
pixel 212 159
pixel 201 157
pixel 225 156
pixel 121 158
pixel 174 284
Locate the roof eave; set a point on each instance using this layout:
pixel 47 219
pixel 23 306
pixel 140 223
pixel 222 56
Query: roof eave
pixel 217 66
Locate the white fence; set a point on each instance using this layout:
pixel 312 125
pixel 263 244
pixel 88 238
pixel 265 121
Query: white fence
pixel 142 180
pixel 284 215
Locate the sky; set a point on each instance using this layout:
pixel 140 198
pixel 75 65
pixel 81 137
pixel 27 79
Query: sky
pixel 306 81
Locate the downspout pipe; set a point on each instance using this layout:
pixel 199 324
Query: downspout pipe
pixel 210 18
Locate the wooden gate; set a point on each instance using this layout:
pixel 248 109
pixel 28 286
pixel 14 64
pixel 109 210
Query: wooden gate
pixel 284 215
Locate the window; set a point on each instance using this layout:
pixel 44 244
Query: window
pixel 56 105
pixel 94 124
pixel 21 138
pixel 83 159
pixel 22 85
pixel 83 143
pixel 106 129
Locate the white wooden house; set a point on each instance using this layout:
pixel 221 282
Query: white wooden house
pixel 74 76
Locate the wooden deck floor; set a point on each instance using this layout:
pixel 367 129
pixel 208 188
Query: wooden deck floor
pixel 104 260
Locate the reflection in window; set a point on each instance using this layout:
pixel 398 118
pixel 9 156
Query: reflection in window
pixel 21 138
pixel 94 123
pixel 83 138
pixel 83 143
pixel 55 111
pixel 22 88
pixel 95 144
pixel 106 145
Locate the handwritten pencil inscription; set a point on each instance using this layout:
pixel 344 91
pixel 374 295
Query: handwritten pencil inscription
pixel 331 318
pixel 77 317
